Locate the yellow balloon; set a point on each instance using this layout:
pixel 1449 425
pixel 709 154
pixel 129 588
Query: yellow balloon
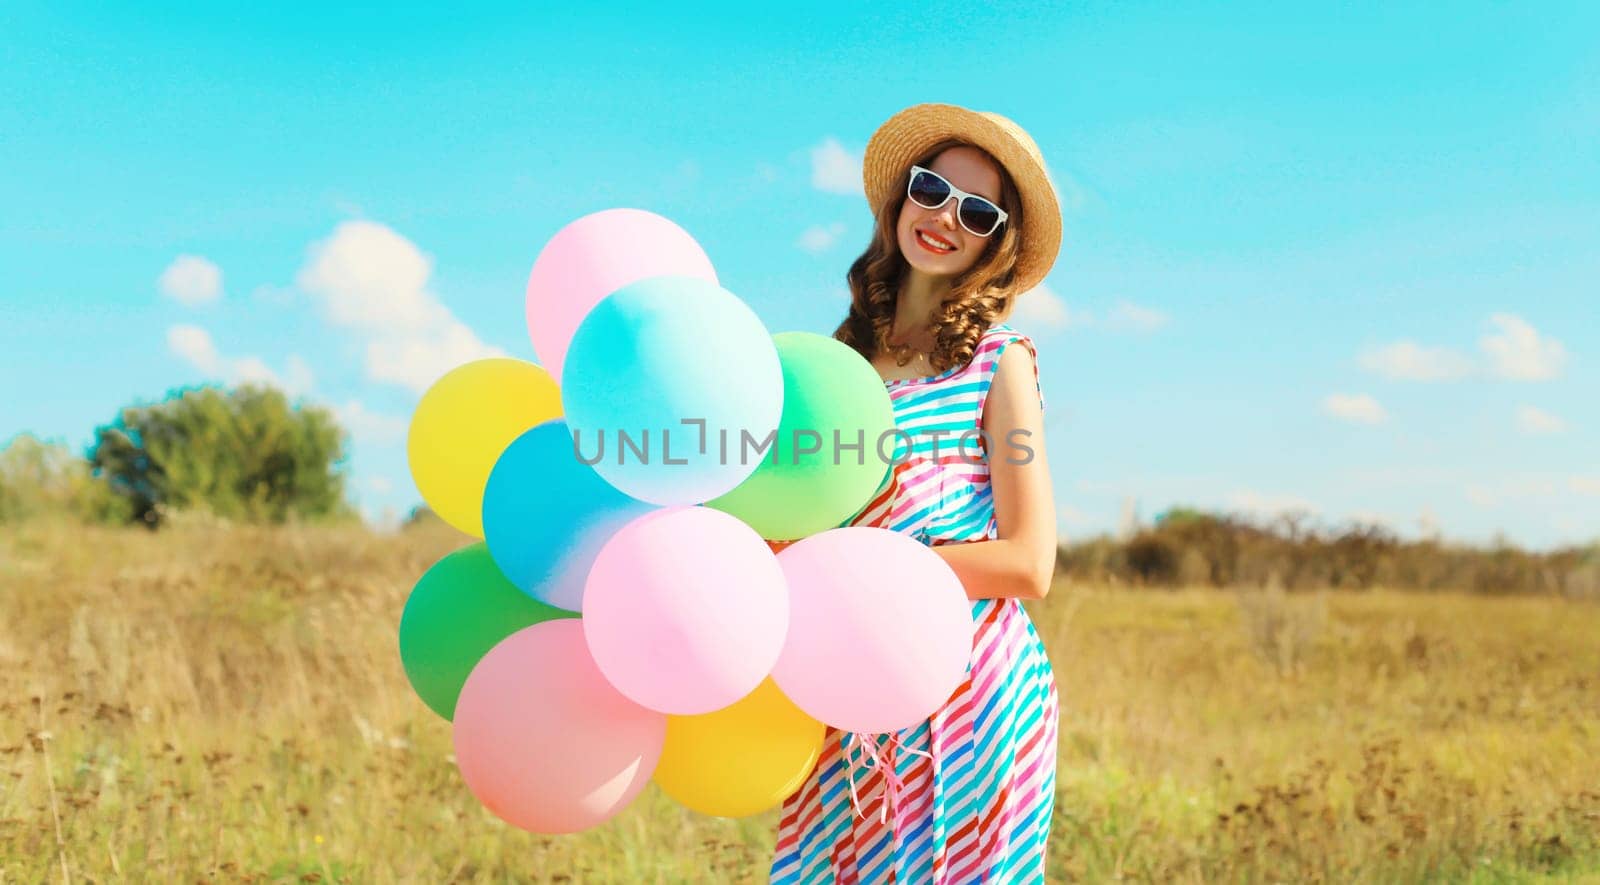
pixel 463 423
pixel 742 759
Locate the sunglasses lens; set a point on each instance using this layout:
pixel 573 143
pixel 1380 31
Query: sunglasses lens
pixel 928 190
pixel 979 216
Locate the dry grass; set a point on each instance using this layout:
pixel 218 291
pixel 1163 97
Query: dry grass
pixel 229 704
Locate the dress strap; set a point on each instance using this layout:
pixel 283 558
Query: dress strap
pixel 987 358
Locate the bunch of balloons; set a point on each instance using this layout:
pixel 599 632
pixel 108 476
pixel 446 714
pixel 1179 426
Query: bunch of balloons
pixel 657 595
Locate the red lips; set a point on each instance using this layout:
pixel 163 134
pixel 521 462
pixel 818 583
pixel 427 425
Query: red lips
pixel 932 236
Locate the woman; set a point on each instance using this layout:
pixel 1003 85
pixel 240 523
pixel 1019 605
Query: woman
pixel 967 221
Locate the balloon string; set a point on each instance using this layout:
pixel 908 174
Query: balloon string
pixel 850 771
pixel 887 768
pixel 879 757
pixel 866 759
pixel 895 783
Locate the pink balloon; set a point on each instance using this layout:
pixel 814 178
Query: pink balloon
pixel 685 610
pixel 593 257
pixel 544 741
pixel 880 629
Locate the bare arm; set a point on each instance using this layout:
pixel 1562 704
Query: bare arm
pixel 1021 560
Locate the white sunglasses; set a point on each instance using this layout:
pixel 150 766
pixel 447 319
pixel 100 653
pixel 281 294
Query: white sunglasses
pixel 930 190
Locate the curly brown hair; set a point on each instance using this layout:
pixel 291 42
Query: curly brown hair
pixel 978 298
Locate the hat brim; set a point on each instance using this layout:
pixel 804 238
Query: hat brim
pixel 904 138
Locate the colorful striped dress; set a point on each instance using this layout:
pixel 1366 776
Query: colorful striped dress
pixel 976 781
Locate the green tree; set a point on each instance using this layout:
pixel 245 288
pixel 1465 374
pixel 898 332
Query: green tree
pixel 1211 540
pixel 44 479
pixel 243 454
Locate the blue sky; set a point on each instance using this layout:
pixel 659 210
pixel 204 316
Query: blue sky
pixel 1341 259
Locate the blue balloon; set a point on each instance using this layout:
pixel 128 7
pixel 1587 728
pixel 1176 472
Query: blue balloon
pixel 672 385
pixel 546 515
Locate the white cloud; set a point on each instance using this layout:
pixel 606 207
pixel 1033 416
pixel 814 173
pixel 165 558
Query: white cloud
pixel 253 370
pixel 191 280
pixel 1576 528
pixel 1534 420
pixel 1428 523
pixel 1372 517
pixel 368 277
pixel 1044 308
pixel 1516 488
pixel 1515 350
pixel 1518 352
pixel 1256 503
pixel 1410 361
pixel 374 282
pixel 1041 308
pixel 835 169
pixel 1585 485
pixel 195 346
pixel 1360 408
pixel 1070 515
pixel 1071 192
pixel 379 484
pixel 297 376
pixel 1127 315
pixel 820 239
pixel 1069 520
pixel 416 361
pixel 369 426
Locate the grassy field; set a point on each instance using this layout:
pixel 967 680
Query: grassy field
pixel 214 704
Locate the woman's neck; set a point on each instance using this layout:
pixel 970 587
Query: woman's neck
pixel 920 294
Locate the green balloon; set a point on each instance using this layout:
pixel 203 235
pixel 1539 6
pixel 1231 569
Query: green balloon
pixel 460 608
pixel 827 387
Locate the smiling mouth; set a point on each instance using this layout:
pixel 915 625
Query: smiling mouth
pixel 932 242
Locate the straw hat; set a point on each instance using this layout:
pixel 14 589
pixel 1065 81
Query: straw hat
pixel 906 136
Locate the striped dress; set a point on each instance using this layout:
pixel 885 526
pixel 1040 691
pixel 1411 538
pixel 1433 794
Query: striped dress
pixel 976 781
